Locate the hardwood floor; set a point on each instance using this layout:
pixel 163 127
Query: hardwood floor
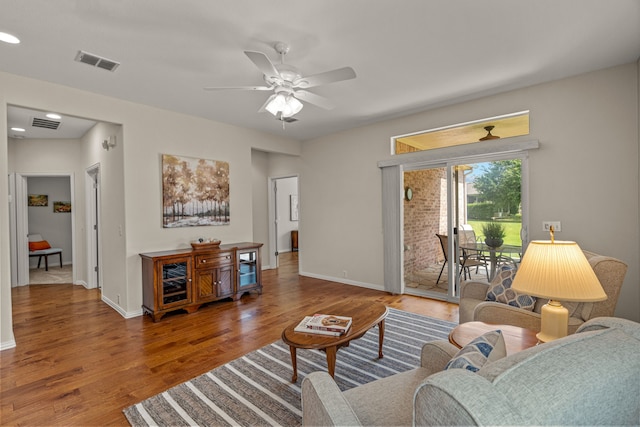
pixel 78 362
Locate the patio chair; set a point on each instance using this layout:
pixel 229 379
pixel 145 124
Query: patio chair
pixel 466 261
pixel 467 236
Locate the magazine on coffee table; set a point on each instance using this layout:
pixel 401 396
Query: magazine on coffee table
pixel 302 327
pixel 329 322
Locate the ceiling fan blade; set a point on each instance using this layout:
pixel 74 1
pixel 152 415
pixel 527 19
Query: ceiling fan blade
pixel 314 99
pixel 240 88
pixel 345 73
pixel 263 63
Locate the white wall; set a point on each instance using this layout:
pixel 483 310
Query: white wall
pixel 287 187
pixel 53 157
pixel 267 166
pixel 585 174
pixel 260 201
pixel 112 219
pixel 131 180
pixel 7 339
pixel 54 227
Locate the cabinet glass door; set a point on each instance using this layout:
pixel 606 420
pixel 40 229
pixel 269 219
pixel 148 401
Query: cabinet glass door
pixel 175 282
pixel 248 268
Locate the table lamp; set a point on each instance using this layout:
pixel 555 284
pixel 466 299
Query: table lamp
pixel 559 271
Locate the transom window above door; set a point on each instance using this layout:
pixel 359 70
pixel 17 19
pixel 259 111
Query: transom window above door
pixel 508 125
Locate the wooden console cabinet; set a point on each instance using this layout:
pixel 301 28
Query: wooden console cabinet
pixel 184 279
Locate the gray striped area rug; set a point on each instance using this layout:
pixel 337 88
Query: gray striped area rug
pixel 256 389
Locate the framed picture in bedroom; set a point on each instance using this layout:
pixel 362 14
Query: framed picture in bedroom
pixel 38 200
pixel 195 192
pixel 293 207
pixel 62 207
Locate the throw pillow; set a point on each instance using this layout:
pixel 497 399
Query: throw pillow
pixel 485 348
pixel 37 246
pixel 500 290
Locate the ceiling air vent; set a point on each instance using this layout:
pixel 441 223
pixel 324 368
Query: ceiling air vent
pixel 96 61
pixel 44 123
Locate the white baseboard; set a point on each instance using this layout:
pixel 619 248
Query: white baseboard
pixel 343 281
pixel 7 345
pixel 82 283
pixel 123 313
pixel 132 314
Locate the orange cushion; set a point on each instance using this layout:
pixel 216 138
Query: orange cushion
pixel 37 246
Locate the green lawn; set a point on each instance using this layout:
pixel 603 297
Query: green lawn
pixel 511 228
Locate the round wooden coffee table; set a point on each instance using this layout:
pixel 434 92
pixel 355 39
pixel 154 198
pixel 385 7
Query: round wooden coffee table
pixel 365 315
pixel 515 338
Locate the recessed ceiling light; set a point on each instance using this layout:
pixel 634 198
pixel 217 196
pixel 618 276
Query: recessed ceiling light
pixel 17 129
pixel 54 116
pixel 8 38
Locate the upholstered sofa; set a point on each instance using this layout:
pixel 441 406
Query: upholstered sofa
pixel 589 378
pixel 609 271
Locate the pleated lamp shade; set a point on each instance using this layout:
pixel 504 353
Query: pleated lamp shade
pixel 557 270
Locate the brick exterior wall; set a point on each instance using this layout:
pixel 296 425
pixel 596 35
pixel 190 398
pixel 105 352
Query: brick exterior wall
pixel 424 216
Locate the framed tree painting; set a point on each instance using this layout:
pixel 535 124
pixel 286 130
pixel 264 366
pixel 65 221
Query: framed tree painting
pixel 195 192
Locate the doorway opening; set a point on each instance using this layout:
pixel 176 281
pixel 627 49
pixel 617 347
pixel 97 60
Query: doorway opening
pixel 51 219
pixel 283 217
pixel 446 210
pixel 53 224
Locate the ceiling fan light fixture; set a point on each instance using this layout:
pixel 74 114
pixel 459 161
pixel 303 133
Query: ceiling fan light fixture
pixel 275 104
pixel 286 105
pixel 288 84
pixel 293 107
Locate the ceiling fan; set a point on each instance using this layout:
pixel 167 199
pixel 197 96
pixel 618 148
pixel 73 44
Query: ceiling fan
pixel 288 84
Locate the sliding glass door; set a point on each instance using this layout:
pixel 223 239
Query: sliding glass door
pixel 446 209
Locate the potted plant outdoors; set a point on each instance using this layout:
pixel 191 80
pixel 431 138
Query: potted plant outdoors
pixel 494 233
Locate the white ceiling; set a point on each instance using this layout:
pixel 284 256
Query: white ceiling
pixel 68 127
pixel 409 55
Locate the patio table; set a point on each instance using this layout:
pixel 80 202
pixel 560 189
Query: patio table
pixel 494 253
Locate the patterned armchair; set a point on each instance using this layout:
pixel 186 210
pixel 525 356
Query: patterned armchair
pixel 475 307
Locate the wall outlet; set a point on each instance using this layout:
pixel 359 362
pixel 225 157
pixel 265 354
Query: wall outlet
pixel 344 274
pixel 546 226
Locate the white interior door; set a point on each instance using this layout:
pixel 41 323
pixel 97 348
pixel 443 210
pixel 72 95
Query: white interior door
pixel 93 226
